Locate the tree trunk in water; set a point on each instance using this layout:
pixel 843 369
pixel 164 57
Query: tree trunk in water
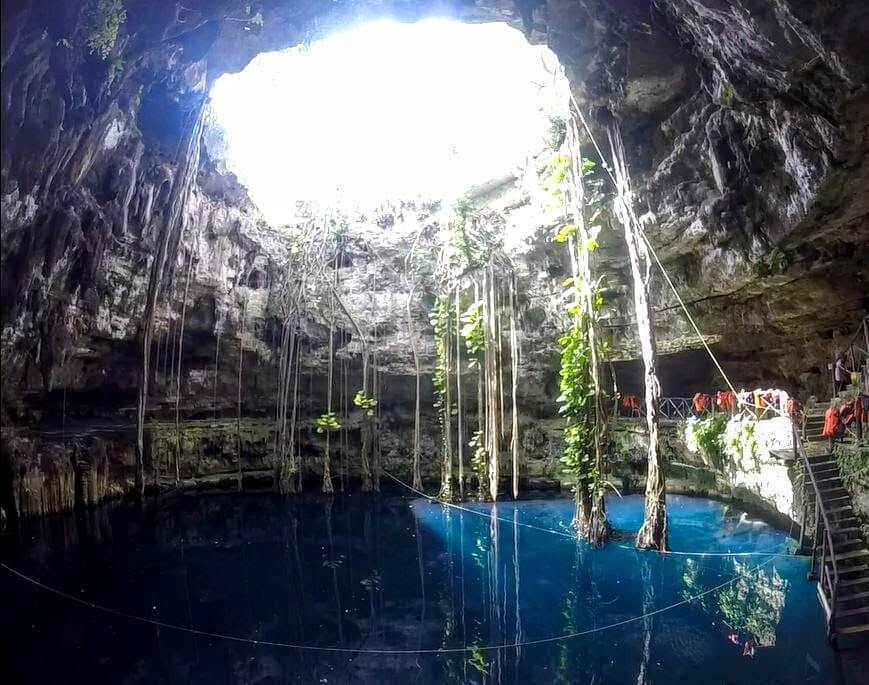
pixel 653 534
pixel 597 529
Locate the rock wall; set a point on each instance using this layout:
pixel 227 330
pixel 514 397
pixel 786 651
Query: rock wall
pixel 745 127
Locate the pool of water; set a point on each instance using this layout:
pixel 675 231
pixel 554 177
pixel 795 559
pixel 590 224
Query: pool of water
pixel 220 589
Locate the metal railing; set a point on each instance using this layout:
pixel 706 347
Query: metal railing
pixel 682 408
pixel 823 548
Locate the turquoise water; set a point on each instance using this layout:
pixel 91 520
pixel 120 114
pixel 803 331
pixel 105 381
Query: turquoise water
pixel 412 590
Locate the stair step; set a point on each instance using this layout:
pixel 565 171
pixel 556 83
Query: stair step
pixel 829 479
pixel 849 543
pixel 845 531
pixel 850 582
pixel 851 570
pixel 852 612
pixel 852 630
pixel 838 509
pixel 837 498
pixel 828 492
pixel 852 555
pixel 863 594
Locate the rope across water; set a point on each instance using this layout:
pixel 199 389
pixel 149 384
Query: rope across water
pixel 415 651
pixel 368 650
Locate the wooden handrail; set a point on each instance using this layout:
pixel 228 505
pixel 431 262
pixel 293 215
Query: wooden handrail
pixel 831 584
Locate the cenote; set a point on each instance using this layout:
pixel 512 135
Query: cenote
pixel 408 589
pixel 438 341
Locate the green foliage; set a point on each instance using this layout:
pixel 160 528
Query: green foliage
pixel 468 244
pixel 745 441
pixel 441 320
pixel 709 433
pixel 564 233
pixel 365 403
pixel 327 422
pixel 754 603
pixel 479 456
pixel 557 132
pixel 104 21
pixel 477 661
pixel 472 330
pixel 853 465
pixel 116 66
pixel 776 262
pixel 729 95
pixel 576 403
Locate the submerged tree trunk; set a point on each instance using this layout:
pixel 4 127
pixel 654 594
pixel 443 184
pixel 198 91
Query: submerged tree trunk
pixel 653 534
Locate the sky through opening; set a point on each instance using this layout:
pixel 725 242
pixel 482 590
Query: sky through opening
pixel 387 111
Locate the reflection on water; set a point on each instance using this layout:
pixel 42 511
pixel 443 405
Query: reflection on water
pixel 751 606
pixel 481 597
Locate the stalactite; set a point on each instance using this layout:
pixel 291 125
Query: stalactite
pixel 238 394
pixel 366 430
pixel 417 479
pixel 188 163
pixel 327 467
pixel 343 389
pixel 653 534
pixel 493 430
pixel 459 414
pixel 217 326
pixel 295 430
pixel 178 370
pixel 374 421
pixel 514 378
pixel 482 444
pixel 448 403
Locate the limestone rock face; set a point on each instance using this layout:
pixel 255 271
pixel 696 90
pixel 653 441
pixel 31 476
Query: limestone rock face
pixel 745 128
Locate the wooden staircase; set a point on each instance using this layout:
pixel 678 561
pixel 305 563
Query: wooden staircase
pixel 840 558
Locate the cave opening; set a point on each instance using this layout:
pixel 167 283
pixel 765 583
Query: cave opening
pixel 495 324
pixel 384 112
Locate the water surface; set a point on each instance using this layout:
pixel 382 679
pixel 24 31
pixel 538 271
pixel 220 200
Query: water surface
pixel 413 590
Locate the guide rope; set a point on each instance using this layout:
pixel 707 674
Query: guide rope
pixel 572 536
pixel 369 650
pixel 648 243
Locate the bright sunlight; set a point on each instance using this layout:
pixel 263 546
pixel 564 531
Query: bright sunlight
pixel 387 111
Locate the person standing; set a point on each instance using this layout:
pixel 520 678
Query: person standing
pixel 833 426
pixel 841 375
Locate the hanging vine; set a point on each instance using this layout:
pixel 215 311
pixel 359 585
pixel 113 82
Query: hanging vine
pixel 582 400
